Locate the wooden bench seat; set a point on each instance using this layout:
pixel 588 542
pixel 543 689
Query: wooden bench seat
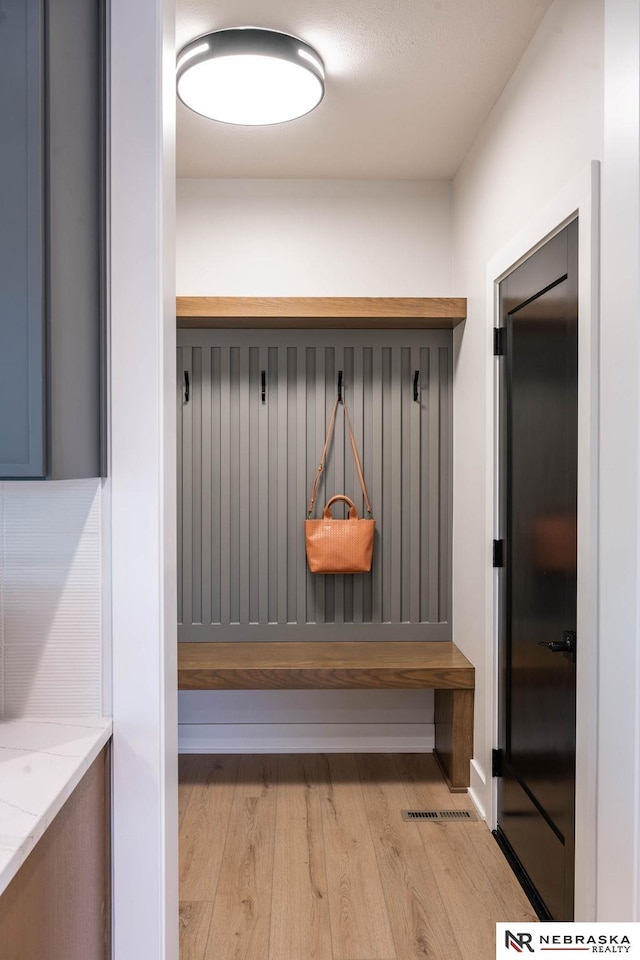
pixel 288 665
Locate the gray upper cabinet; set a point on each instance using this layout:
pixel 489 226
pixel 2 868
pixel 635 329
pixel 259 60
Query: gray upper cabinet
pixel 51 250
pixel 22 271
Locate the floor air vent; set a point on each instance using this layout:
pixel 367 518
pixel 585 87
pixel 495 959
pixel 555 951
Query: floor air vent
pixel 465 815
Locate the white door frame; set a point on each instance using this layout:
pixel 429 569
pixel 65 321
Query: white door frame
pixel 618 855
pixel 579 198
pixel 141 110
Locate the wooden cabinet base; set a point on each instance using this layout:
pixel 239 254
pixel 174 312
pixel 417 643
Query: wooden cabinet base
pixel 57 907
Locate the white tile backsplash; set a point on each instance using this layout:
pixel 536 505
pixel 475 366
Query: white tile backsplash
pixel 2 485
pixel 50 598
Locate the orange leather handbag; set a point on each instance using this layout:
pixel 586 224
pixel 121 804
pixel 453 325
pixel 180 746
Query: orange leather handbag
pixel 339 546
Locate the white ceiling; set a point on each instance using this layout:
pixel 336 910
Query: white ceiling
pixel 409 83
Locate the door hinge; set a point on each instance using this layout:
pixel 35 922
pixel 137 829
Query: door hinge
pixel 498 341
pixel 496 763
pixel 498 553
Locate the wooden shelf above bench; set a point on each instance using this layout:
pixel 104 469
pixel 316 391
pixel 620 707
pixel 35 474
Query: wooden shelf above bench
pixel 311 664
pixel 400 313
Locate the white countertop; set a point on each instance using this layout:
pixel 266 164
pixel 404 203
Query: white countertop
pixel 41 763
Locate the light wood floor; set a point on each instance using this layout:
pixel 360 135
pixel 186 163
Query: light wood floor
pixel 307 858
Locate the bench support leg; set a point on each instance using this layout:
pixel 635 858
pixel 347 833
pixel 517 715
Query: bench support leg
pixel 454 736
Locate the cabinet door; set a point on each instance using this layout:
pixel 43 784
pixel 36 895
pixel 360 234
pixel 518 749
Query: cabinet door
pixel 22 386
pixel 58 905
pixel 73 237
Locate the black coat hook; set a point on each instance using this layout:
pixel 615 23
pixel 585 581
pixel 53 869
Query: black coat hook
pixel 263 381
pixel 186 386
pixel 339 386
pixel 416 380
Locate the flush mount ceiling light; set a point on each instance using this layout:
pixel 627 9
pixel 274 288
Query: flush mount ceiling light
pixel 250 76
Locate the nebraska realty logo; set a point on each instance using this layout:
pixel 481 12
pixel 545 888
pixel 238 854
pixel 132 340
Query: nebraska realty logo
pixel 560 939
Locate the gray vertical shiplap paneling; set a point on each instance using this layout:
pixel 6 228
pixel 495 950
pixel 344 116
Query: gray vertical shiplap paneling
pixel 216 481
pixel 263 492
pixel 339 478
pixel 425 547
pixel 368 434
pixel 293 527
pixel 446 487
pixel 309 457
pixel 406 462
pixel 196 485
pixel 328 481
pixel 283 559
pixel 255 402
pixel 234 475
pixel 377 502
pixel 395 571
pixel 206 415
pixel 274 544
pixel 244 506
pixel 180 459
pixel 433 481
pixel 225 486
pixel 319 582
pixel 356 408
pixel 390 539
pixel 186 467
pixel 247 468
pixel 297 504
pixel 415 418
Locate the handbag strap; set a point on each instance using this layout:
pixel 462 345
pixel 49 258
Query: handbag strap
pixel 330 429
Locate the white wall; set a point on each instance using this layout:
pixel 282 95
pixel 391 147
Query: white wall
pixel 313 238
pixel 574 97
pixel 50 599
pixel 543 131
pixel 306 721
pixel 618 890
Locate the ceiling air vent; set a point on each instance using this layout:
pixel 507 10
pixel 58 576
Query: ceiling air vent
pixel 464 815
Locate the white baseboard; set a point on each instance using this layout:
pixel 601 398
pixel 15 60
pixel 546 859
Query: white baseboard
pixel 478 788
pixel 305 706
pixel 306 738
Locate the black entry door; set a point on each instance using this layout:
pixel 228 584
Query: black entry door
pixel 536 791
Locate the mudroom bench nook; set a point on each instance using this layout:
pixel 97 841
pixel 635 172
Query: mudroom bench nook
pixel 244 364
pixel 312 664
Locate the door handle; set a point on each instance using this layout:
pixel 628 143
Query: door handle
pixel 566 645
pixel 186 386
